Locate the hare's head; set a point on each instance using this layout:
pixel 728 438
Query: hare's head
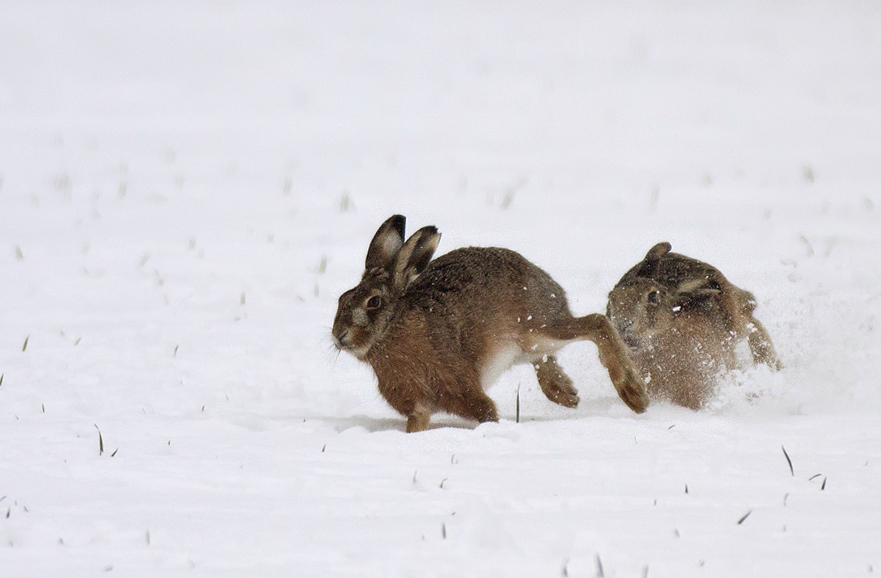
pixel 642 308
pixel 365 311
pixel 637 308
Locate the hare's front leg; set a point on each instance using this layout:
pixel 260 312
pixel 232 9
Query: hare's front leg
pixel 407 398
pixel 554 382
pixel 612 352
pixel 761 347
pixel 418 418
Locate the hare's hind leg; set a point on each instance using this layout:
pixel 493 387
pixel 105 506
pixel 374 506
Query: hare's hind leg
pixel 554 382
pixel 464 396
pixel 472 403
pixel 477 405
pixel 612 352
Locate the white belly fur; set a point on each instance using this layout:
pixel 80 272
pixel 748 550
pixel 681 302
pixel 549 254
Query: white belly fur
pixel 501 359
pixel 509 354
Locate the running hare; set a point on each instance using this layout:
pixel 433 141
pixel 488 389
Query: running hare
pixel 437 333
pixel 681 320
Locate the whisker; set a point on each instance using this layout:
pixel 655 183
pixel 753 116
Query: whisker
pixel 331 352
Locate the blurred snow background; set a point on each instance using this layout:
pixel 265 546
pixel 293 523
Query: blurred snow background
pixel 185 189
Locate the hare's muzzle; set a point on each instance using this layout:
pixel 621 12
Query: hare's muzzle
pixel 341 338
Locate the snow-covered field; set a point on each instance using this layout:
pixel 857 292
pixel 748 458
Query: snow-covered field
pixel 186 188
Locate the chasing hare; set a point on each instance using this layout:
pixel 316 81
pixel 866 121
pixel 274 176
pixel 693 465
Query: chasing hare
pixel 437 333
pixel 682 320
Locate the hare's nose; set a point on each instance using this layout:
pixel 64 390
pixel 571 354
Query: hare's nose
pixel 341 340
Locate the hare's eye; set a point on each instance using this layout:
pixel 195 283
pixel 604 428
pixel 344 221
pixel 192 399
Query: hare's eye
pixel 654 297
pixel 374 302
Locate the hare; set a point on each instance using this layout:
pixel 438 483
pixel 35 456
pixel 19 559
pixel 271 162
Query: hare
pixel 682 320
pixel 437 333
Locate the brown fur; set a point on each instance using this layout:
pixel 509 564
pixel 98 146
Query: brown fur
pixel 682 320
pixel 446 328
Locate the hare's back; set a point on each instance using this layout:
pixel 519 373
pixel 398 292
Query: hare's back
pixel 670 271
pixel 482 277
pixel 675 268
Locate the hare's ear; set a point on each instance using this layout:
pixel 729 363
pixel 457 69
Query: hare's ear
pixel 414 256
pixel 652 260
pixel 386 243
pixel 658 251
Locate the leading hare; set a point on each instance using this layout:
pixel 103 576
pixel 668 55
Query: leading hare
pixel 437 333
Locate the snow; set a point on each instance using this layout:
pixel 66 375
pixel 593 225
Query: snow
pixel 186 188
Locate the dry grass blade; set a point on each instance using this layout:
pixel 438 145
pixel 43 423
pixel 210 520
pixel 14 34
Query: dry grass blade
pixel 517 414
pixel 788 461
pixel 744 517
pixel 653 200
pixel 100 441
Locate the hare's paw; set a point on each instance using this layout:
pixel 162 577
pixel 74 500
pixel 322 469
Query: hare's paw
pixel 555 384
pixel 762 348
pixel 627 382
pixel 631 389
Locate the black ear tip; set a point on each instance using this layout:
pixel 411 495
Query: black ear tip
pixel 425 233
pixel 397 222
